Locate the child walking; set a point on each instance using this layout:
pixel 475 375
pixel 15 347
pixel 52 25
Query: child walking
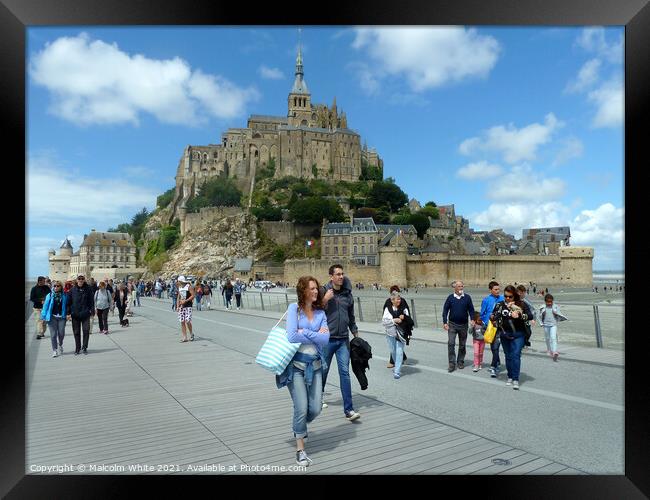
pixel 550 315
pixel 479 341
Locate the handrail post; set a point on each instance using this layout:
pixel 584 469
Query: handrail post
pixel 599 336
pixel 262 300
pixel 415 321
pixel 360 310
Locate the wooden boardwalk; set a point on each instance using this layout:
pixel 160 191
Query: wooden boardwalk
pixel 137 398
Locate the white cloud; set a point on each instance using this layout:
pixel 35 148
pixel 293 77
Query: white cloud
pixel 523 185
pixel 93 82
pixel 514 144
pixel 56 196
pixel 478 171
pixel 512 217
pixel 593 40
pixel 603 229
pixel 368 80
pixel 572 148
pixel 270 73
pixel 428 57
pixel 609 101
pixel 587 77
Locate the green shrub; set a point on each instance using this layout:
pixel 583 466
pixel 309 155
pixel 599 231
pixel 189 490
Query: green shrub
pixel 166 198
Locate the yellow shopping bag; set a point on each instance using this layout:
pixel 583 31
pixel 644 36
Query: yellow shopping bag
pixel 490 333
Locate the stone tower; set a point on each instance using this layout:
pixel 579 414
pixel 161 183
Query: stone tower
pixel 299 100
pixel 393 266
pixel 59 265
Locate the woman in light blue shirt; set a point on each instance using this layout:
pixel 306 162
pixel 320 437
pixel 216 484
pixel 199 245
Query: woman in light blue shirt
pixel 307 324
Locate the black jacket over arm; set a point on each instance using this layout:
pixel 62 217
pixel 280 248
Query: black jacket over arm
pixel 360 353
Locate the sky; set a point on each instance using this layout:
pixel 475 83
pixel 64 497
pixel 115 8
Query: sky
pixel 518 127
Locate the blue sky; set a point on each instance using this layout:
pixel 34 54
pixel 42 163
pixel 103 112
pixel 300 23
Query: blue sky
pixel 518 127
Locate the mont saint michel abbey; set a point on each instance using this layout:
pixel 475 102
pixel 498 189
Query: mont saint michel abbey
pixel 310 139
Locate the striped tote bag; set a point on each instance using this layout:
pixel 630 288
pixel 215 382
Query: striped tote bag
pixel 277 351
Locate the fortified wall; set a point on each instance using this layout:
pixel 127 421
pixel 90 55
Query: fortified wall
pixel 286 232
pixel 572 267
pixel 206 216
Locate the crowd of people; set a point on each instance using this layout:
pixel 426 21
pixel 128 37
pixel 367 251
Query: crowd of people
pixel 321 321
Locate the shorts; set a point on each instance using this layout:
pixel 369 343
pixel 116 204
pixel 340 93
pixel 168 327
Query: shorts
pixel 185 314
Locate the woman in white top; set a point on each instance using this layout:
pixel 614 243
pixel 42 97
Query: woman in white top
pixel 396 320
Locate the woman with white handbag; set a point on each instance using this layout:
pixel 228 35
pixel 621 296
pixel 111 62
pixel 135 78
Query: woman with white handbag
pixel 306 324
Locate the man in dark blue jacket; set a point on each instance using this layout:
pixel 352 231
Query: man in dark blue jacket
pixel 457 306
pixel 82 307
pixel 339 308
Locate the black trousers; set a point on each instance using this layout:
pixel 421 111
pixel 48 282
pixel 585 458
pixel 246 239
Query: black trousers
pixel 102 316
pixel 122 312
pixel 238 299
pixel 461 331
pixel 77 326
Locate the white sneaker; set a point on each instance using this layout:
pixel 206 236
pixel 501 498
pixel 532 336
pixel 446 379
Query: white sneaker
pixel 515 385
pixel 352 415
pixel 61 350
pixel 509 382
pixel 303 459
pixel 325 405
pixel 475 369
pixel 54 354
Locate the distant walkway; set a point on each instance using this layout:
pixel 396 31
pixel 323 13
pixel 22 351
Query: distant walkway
pixel 142 403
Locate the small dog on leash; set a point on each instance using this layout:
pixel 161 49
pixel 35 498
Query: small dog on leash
pixel 125 322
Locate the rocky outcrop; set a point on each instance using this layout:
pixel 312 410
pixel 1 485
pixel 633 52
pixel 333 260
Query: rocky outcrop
pixel 211 251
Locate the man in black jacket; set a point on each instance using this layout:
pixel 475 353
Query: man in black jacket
pixel 339 308
pixel 37 296
pixel 82 307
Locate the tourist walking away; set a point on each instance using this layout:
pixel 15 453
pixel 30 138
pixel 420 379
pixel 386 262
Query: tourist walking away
pixel 237 290
pixel 82 307
pixel 478 341
pixel 529 324
pixel 198 290
pixel 487 306
pixel 54 314
pixel 307 324
pixel 93 288
pixel 37 295
pixel 173 289
pixel 339 308
pixel 388 303
pixel 396 320
pixel 120 298
pixel 103 302
pixel 140 290
pixel 455 313
pixel 136 294
pixel 129 299
pixel 550 316
pixel 158 288
pixel 207 296
pixel 228 290
pixel 110 286
pixel 509 317
pixel 185 300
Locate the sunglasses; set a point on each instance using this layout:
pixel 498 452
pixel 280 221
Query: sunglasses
pixel 508 296
pixel 81 279
pixel 57 286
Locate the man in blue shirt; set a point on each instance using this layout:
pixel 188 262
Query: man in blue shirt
pixel 487 306
pixel 458 306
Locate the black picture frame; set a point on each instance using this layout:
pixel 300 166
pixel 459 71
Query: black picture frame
pixel 17 15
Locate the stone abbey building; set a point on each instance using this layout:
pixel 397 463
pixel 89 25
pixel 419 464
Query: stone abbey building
pixel 312 140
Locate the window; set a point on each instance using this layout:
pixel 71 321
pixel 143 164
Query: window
pixel 355 239
pixel 355 250
pixel 336 250
pixel 345 250
pixel 336 239
pixel 363 248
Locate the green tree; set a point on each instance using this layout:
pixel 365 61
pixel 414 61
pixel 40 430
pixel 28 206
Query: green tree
pixel 267 212
pixel 401 219
pixel 216 192
pixel 366 212
pixel 382 217
pixel 314 210
pixel 430 204
pixel 430 211
pixel 314 171
pixel 168 237
pixel 420 222
pixel 370 173
pixel 166 198
pixel 387 194
pixel 122 228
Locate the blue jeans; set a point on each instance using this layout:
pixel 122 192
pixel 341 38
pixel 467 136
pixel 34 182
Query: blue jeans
pixel 550 335
pixel 57 331
pixel 397 351
pixel 512 348
pixel 494 347
pixel 137 298
pixel 306 401
pixel 198 303
pixel 342 349
pixel 174 299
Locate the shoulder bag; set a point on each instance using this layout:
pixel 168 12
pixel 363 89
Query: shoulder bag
pixel 277 352
pixel 490 333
